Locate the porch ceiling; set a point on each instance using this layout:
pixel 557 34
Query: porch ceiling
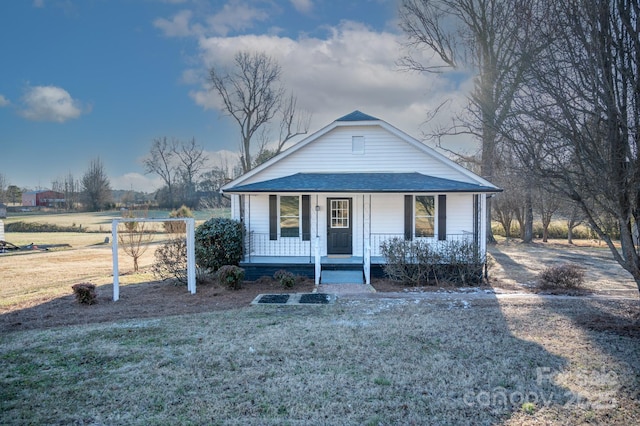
pixel 361 182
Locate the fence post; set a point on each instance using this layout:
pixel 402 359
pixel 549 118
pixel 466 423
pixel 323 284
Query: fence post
pixel 191 256
pixel 114 248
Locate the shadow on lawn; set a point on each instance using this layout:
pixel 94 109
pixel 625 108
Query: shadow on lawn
pixel 384 359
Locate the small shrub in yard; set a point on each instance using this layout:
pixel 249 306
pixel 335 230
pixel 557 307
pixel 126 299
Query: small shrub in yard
pixel 561 277
pixel 171 262
pixel 219 243
pixel 231 276
pixel 85 293
pixel 286 278
pixel 178 227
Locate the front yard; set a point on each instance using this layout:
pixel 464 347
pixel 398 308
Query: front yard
pixel 485 357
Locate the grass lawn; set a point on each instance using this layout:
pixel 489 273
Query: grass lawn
pixel 361 361
pixel 406 358
pixel 99 221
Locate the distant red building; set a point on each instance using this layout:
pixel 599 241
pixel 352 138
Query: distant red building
pixel 43 198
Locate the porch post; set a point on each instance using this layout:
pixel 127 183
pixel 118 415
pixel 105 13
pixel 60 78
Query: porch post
pixel 367 264
pixel 318 268
pixel 366 236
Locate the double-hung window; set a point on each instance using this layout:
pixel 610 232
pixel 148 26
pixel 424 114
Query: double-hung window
pixel 425 207
pixel 289 216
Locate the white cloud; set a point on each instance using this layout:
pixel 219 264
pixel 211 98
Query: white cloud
pixel 49 103
pixel 352 68
pixel 136 182
pixel 302 6
pixel 4 101
pixel 235 16
pixel 178 26
pixel 38 3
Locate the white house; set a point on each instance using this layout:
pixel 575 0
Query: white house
pixel 329 201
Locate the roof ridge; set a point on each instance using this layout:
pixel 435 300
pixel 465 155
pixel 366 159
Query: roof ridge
pixel 358 116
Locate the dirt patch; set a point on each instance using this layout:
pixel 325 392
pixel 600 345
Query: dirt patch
pixel 147 300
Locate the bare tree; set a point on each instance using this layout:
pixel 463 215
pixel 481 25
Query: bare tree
pixel 210 185
pixel 134 238
pixel 191 160
pixel 178 164
pixel 96 189
pixel 161 161
pixel 504 211
pixel 68 186
pixel 547 204
pixel 580 118
pixel 252 95
pixel 491 37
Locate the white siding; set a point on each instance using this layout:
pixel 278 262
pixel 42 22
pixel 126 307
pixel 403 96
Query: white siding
pixel 459 213
pixel 384 152
pixel 386 215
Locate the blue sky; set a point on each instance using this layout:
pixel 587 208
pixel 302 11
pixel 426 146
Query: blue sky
pixel 88 78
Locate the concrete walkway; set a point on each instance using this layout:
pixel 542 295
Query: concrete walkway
pixel 340 289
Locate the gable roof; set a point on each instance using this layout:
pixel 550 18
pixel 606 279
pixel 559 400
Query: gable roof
pixel 358 118
pixel 361 182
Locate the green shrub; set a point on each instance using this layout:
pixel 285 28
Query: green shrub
pixel 562 277
pixel 219 243
pixel 286 278
pixel 178 227
pixel 231 276
pixel 85 293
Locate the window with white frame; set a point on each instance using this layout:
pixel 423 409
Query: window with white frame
pixel 425 207
pixel 289 216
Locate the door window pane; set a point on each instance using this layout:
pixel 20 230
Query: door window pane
pixel 289 216
pixel 425 219
pixel 339 213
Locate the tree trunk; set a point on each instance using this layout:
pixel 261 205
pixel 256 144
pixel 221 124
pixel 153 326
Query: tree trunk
pixel 569 233
pixel 528 218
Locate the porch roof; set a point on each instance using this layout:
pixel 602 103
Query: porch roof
pixel 361 182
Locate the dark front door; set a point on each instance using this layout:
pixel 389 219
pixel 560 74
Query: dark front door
pixel 339 226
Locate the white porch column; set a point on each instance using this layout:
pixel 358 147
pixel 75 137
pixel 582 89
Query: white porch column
pixel 318 268
pixel 366 237
pixel 483 224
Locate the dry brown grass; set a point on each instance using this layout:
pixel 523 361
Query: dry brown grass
pixel 30 277
pixel 360 361
pixel 412 358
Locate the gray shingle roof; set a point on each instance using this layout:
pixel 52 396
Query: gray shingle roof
pixel 361 182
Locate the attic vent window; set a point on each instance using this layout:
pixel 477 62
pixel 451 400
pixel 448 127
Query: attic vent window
pixel 357 144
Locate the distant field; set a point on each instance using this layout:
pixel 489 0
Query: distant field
pixel 99 221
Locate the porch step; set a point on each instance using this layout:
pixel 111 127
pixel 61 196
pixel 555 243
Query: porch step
pixel 341 277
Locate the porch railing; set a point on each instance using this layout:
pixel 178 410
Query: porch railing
pixel 376 240
pixel 258 244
